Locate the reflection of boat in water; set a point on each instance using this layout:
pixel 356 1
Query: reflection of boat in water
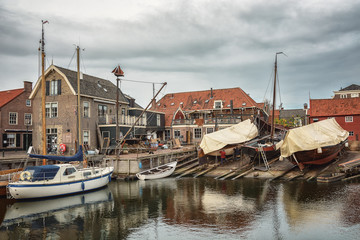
pixel 157 172
pixel 31 210
pixel 60 179
pixel 314 144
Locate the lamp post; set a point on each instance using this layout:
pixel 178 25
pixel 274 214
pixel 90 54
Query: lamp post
pixel 118 73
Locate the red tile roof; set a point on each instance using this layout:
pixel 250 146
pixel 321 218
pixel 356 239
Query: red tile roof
pixel 334 107
pixel 7 96
pixel 201 100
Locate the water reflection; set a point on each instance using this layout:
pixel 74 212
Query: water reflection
pixel 193 209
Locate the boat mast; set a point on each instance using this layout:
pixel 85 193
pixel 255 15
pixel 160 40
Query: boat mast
pixel 274 98
pixel 43 138
pixel 78 97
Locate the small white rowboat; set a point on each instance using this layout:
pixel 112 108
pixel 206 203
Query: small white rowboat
pixel 157 172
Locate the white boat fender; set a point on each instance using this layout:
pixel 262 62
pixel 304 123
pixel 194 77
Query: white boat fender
pixel 26 175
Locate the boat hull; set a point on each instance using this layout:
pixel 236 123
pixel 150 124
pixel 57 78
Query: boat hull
pixel 162 171
pixel 313 157
pixel 45 189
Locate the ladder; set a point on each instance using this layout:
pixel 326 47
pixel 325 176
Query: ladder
pixel 261 150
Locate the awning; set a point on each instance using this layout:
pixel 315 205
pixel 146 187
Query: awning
pixel 316 135
pixel 239 133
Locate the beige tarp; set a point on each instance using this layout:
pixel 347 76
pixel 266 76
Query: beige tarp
pixel 239 133
pixel 316 135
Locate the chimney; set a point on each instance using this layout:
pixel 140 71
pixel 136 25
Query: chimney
pixel 211 93
pixel 27 86
pixel 153 104
pixel 305 106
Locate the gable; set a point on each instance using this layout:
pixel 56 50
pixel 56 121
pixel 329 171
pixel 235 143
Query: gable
pixel 8 96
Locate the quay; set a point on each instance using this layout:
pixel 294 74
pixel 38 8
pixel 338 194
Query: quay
pixel 127 165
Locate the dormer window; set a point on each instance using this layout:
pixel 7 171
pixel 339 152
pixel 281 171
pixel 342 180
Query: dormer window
pixel 218 104
pixel 244 103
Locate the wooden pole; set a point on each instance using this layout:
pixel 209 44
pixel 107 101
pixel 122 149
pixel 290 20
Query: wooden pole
pixel 43 93
pixel 78 96
pixel 124 140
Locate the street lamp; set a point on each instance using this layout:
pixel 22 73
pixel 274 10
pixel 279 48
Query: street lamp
pixel 118 73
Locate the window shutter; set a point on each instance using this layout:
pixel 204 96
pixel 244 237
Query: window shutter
pixel 59 86
pixel 5 139
pixel 47 88
pixel 18 140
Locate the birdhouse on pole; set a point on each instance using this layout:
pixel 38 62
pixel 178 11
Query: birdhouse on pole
pixel 118 72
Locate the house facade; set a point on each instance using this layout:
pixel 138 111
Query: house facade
pixel 16 118
pixel 98 111
pixel 191 115
pixel 352 91
pixel 346 112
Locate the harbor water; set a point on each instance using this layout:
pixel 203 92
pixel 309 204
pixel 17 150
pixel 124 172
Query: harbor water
pixel 189 208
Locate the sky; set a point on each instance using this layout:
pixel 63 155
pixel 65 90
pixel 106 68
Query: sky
pixel 190 44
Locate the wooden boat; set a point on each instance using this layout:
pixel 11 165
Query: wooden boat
pixel 59 179
pixel 331 177
pixel 157 172
pixel 266 147
pixel 317 157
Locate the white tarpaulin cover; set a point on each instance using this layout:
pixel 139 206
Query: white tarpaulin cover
pixel 239 133
pixel 316 135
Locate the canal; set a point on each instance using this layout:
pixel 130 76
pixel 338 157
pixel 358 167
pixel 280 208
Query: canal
pixel 191 208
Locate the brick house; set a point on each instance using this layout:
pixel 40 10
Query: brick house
pixel 190 115
pixel 16 118
pixel 352 91
pixel 98 110
pixel 346 111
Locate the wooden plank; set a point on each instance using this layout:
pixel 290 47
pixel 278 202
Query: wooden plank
pixel 243 174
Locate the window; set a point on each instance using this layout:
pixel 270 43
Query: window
pixel 11 140
pixel 53 87
pixel 197 133
pixel 167 134
pixel 51 110
pixel 343 96
pixel 351 133
pixel 13 118
pixel 28 119
pixel 315 120
pixel 353 95
pixel 348 118
pixel 105 134
pixel 28 102
pixel 51 139
pixel 69 171
pixel 158 122
pixel 218 104
pixel 86 137
pixel 102 110
pixel 86 106
pixel 209 130
pixel 177 133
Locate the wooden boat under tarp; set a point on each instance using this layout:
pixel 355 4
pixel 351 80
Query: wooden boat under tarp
pixel 228 138
pixel 161 171
pixel 314 144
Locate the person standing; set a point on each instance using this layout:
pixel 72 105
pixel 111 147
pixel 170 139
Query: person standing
pixel 223 156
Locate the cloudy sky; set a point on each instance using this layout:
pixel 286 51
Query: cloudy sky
pixel 190 44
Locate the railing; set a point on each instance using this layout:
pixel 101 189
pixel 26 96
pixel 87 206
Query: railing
pixel 123 120
pixel 207 121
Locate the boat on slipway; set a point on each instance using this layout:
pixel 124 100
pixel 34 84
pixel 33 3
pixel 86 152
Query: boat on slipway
pixel 58 179
pixel 314 144
pixel 161 171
